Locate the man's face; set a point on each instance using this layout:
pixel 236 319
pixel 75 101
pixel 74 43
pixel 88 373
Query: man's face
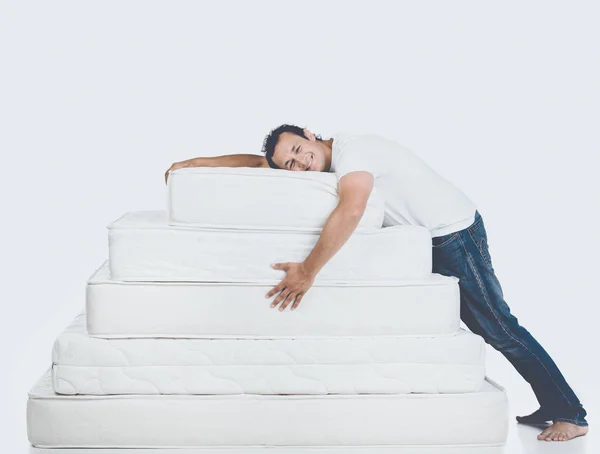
pixel 296 153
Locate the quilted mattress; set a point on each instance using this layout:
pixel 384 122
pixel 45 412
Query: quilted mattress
pixel 268 199
pixel 143 247
pixel 240 310
pixel 392 365
pixel 247 420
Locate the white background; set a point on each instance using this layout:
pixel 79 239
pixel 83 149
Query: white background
pixel 97 99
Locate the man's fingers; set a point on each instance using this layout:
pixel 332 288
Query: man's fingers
pixel 298 299
pixel 278 288
pixel 281 297
pixel 168 172
pixel 289 299
pixel 280 266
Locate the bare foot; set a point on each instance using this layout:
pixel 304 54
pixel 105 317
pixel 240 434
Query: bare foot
pixel 562 431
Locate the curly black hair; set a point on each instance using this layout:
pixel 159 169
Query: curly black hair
pixel 270 141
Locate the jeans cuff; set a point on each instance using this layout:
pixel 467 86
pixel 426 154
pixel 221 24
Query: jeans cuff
pixel 577 422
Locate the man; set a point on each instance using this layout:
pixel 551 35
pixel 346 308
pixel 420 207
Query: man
pixel 414 194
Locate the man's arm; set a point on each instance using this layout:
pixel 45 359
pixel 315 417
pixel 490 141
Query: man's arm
pixel 232 160
pixel 354 190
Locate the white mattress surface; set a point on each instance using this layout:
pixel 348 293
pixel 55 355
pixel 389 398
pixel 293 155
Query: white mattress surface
pixel 240 310
pixel 143 247
pixel 248 198
pixel 167 421
pixel 392 365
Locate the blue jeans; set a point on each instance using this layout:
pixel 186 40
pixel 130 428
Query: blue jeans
pixel 465 254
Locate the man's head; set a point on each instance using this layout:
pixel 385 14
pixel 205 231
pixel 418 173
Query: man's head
pixel 290 147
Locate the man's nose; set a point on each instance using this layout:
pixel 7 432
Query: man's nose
pixel 304 162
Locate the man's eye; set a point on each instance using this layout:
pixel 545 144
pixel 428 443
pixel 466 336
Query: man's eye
pixel 292 165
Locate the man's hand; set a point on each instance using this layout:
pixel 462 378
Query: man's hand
pixel 298 280
pixel 177 165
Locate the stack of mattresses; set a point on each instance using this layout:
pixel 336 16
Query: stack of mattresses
pixel 179 347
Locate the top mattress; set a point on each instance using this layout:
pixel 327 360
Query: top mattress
pixel 262 199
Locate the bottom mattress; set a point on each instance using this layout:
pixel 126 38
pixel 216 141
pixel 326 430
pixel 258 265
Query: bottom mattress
pixel 236 421
pixel 363 365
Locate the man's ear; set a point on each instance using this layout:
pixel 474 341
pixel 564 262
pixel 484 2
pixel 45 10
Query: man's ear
pixel 309 135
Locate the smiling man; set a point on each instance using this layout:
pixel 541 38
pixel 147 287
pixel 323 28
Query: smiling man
pixel 415 194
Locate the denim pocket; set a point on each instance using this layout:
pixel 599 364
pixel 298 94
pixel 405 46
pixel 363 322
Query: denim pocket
pixel 441 241
pixel 479 236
